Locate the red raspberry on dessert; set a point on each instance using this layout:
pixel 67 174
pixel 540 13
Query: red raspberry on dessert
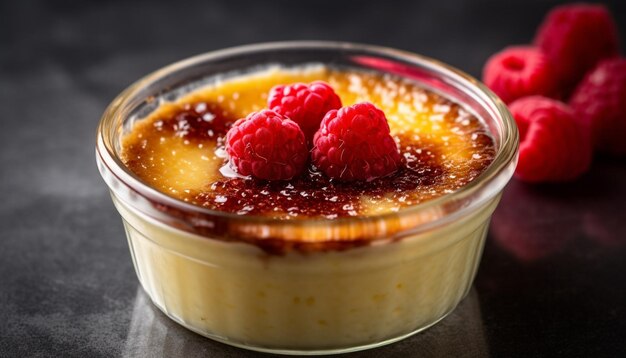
pixel 305 104
pixel 555 145
pixel 354 143
pixel 600 99
pixel 575 37
pixel 267 146
pixel 519 71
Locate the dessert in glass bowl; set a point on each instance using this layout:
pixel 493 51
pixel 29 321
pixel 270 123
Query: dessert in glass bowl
pixel 312 263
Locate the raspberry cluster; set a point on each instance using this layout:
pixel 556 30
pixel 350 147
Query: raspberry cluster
pixel 567 92
pixel 348 143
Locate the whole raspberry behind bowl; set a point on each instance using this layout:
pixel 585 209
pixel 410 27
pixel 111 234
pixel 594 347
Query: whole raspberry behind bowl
pixel 520 71
pixel 555 143
pixel 600 100
pixel 575 37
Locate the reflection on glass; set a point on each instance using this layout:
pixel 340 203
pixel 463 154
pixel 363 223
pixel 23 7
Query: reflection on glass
pixel 151 333
pixel 537 221
pixel 532 223
pixel 604 222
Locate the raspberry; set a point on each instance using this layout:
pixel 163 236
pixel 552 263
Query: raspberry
pixel 304 104
pixel 519 71
pixel 555 144
pixel 354 143
pixel 267 146
pixel 600 99
pixel 575 37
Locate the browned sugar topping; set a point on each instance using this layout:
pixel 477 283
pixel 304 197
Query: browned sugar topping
pixel 178 150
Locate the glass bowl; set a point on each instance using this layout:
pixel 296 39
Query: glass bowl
pixel 292 286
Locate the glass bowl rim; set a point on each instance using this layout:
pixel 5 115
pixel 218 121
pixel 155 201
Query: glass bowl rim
pixel 506 153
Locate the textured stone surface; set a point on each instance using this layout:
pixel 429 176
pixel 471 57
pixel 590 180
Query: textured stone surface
pixel 551 282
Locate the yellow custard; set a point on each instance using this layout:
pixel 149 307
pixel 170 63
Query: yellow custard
pixel 310 265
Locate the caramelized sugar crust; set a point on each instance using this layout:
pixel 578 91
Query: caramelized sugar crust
pixel 178 149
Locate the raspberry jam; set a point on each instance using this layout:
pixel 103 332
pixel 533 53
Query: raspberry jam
pixel 178 149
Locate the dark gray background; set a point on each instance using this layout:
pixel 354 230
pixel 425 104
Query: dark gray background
pixel 552 278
